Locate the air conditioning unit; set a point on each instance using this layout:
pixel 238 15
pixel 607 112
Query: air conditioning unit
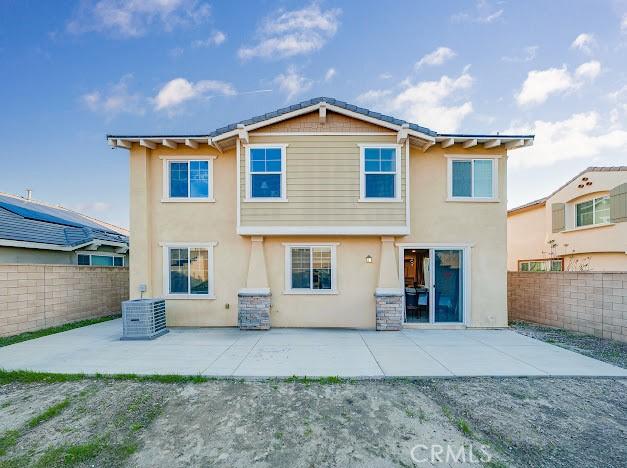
pixel 143 319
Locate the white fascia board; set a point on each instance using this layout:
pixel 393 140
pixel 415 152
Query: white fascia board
pixel 41 245
pixel 323 230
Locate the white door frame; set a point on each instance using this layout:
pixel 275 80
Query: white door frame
pixel 466 284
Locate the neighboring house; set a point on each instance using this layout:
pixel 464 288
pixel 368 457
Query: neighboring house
pixel 34 232
pixel 321 214
pixel 580 226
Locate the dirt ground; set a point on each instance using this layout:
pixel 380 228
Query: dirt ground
pixel 611 351
pixel 505 422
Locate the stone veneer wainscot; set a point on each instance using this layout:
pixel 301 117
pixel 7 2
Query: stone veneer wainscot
pixel 254 311
pixel 389 312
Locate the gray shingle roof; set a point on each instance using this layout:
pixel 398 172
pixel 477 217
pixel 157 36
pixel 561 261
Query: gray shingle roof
pixel 28 221
pixel 311 102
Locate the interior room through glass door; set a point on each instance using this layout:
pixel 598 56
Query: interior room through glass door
pixel 448 285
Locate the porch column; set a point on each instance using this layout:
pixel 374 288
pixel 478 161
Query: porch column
pixel 388 295
pixel 254 300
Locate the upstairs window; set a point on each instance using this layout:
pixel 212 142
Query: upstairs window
pixel 189 180
pixel 380 173
pixel 266 173
pixel 472 179
pixel 595 211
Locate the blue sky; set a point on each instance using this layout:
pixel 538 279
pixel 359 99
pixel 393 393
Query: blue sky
pixel 77 70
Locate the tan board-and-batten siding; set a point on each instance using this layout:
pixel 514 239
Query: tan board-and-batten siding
pixel 323 184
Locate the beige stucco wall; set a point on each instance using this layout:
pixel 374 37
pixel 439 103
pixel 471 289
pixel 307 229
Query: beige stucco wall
pixel 597 261
pixel 41 256
pixel 526 236
pixel 530 231
pixel 20 255
pixel 433 220
pixel 482 225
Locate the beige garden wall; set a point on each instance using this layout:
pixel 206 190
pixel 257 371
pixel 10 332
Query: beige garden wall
pixel 587 302
pixel 39 296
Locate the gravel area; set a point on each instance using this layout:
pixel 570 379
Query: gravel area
pixel 505 422
pixel 610 351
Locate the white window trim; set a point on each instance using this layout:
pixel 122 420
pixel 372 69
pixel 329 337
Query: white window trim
pixel 166 269
pixel 495 179
pixel 165 197
pixel 101 254
pixel 594 209
pixel 362 174
pixel 288 269
pixel 283 198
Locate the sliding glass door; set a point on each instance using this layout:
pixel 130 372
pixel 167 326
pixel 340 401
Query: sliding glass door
pixel 439 292
pixel 448 285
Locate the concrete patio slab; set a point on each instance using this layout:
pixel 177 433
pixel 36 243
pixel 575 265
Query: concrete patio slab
pixel 311 352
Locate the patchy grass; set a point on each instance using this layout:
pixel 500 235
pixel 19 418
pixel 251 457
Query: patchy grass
pixel 23 376
pixel 9 340
pixel 50 413
pixel 8 440
pixel 331 380
pixel 82 434
pixel 463 426
pixel 70 455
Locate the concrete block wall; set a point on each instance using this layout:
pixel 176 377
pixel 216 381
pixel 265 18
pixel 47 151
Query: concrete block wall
pixel 39 296
pixel 588 302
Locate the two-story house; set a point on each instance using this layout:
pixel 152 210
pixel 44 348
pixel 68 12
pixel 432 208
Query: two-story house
pixel 580 226
pixel 321 214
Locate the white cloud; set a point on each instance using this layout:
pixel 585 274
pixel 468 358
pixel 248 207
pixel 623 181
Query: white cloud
pixel 529 53
pixel 429 103
pixel 589 70
pixel 437 57
pixel 179 90
pixel 293 83
pixel 295 32
pixel 385 76
pixel 483 13
pixel 136 17
pixel 540 84
pixel 623 24
pixel 216 38
pixel 584 42
pixel 578 137
pixel 116 99
pixel 328 76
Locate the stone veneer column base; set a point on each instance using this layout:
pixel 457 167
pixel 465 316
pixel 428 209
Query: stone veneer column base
pixel 253 310
pixel 389 311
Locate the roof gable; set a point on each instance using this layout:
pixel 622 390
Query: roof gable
pixel 334 122
pixel 425 136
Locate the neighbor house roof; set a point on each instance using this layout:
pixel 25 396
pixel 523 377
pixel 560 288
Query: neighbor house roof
pixel 32 224
pixel 428 136
pixel 542 201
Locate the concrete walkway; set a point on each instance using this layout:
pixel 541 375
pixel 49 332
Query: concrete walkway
pixel 311 352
